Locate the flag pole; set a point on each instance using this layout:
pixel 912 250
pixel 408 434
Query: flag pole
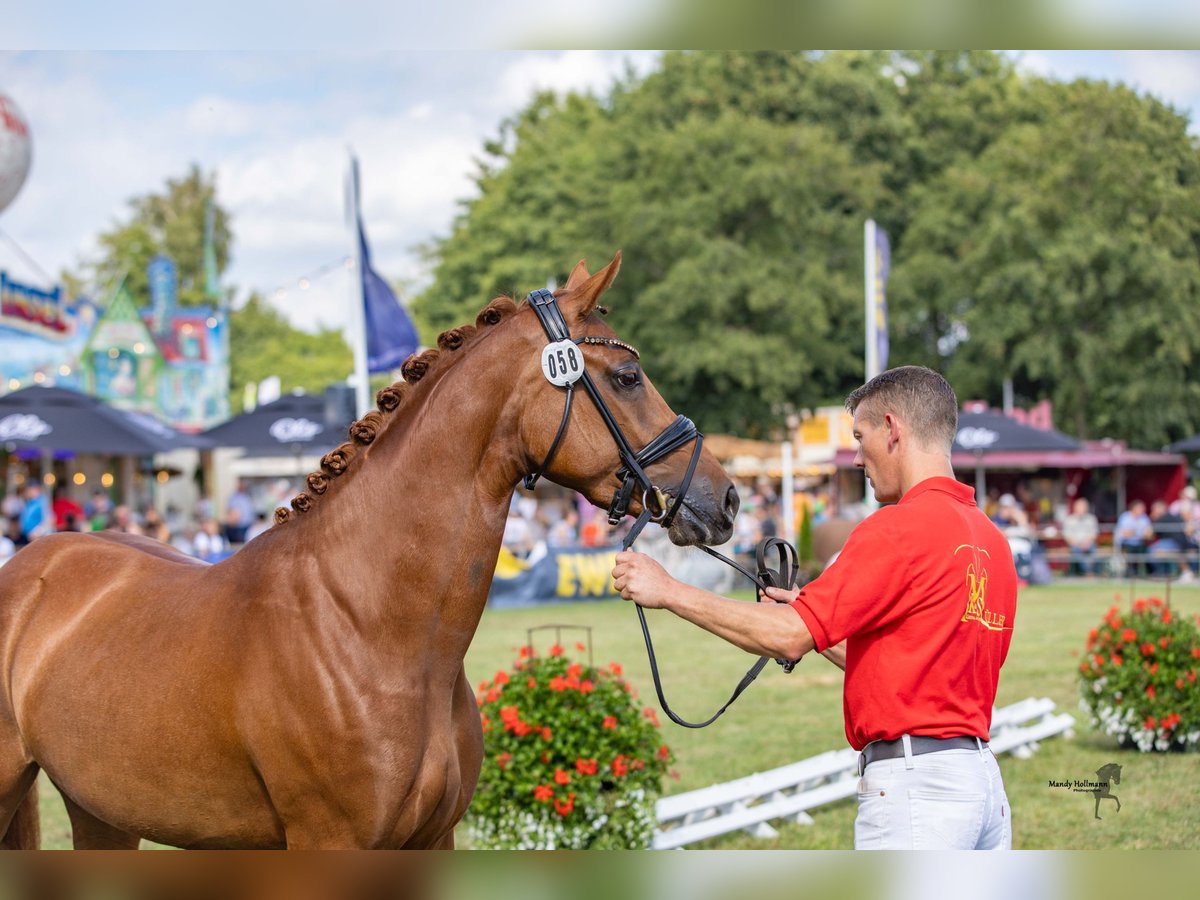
pixel 358 315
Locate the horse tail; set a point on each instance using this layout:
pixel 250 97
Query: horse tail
pixel 24 831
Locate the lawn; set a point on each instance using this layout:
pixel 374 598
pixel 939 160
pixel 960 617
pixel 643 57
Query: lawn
pixel 783 718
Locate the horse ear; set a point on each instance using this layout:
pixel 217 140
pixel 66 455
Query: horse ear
pixel 582 299
pixel 578 275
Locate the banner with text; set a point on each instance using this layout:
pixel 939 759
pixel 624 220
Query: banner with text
pixel 561 574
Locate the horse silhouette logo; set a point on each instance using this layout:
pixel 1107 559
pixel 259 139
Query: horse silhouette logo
pixel 1103 790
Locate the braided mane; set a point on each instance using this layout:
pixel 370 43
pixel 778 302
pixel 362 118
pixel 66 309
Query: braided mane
pixel 432 362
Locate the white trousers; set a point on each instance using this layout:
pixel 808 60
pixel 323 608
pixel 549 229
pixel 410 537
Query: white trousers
pixel 947 800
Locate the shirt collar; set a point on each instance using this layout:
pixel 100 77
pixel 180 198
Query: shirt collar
pixel 964 493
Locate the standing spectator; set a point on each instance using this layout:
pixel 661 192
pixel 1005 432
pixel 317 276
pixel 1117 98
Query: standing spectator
pixel 7 548
pixel 98 510
pixel 37 518
pixel 209 544
pixel 122 520
pixel 1133 535
pixel 239 514
pixel 1081 531
pixel 13 532
pixel 563 532
pixel 67 513
pixel 154 526
pixel 260 524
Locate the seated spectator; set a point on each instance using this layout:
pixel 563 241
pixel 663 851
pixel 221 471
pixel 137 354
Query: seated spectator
pixel 13 532
pixel 1080 530
pixel 7 549
pixel 1011 518
pixel 1132 535
pixel 1168 540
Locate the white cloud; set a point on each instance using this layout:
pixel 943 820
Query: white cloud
pixel 1173 75
pixel 563 71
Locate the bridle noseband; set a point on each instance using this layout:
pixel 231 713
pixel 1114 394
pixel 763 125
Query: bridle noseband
pixel 633 475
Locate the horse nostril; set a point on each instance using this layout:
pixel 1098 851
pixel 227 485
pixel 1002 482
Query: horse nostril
pixel 732 502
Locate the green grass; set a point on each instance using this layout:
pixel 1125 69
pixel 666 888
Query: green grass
pixel 784 718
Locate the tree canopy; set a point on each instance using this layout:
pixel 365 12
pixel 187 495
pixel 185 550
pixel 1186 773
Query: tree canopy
pixel 1042 232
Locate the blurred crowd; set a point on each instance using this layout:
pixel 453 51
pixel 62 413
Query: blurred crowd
pixel 32 513
pixel 1161 539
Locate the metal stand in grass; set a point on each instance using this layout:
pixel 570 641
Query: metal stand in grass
pixel 558 630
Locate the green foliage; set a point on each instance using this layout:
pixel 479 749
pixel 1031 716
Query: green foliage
pixel 1041 231
pixel 170 223
pixel 1138 678
pixel 262 343
pixel 804 541
pixel 569 760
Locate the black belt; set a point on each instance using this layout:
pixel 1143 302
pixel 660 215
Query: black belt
pixel 877 750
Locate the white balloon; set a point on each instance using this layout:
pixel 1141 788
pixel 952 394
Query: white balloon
pixel 16 150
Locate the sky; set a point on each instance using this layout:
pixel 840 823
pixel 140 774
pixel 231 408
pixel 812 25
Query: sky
pixel 276 127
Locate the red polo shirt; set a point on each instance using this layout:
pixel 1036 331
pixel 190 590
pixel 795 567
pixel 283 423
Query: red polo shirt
pixel 925 594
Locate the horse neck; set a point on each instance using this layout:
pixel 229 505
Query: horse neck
pixel 406 540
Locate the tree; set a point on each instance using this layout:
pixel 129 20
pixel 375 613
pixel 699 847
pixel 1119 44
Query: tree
pixel 1041 231
pixel 262 343
pixel 1064 257
pixel 169 223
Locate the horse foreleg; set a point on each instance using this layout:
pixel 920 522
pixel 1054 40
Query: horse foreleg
pixel 1097 806
pixel 90 833
pixel 1118 799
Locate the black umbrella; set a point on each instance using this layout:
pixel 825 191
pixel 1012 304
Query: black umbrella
pixel 992 432
pixel 292 424
pixel 981 433
pixel 53 418
pixel 1187 445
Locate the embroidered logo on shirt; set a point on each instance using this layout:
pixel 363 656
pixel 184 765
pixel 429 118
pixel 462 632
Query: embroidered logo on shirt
pixel 976 577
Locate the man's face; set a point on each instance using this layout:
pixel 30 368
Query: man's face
pixel 873 457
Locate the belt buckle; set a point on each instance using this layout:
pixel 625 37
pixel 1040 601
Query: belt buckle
pixel 862 762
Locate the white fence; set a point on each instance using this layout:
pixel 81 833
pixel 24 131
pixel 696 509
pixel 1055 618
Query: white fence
pixel 787 793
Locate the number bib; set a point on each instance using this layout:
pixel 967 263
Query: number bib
pixel 562 363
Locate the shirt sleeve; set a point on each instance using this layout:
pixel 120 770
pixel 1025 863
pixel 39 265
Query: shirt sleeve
pixel 864 589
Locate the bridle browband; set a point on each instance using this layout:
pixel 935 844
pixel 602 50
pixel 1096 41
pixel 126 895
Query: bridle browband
pixel 632 474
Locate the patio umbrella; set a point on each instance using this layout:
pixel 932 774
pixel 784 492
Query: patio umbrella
pixel 293 424
pixel 982 433
pixel 53 418
pixel 1187 445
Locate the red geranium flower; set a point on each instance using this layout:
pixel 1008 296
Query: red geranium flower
pixel 1149 724
pixel 615 668
pixel 543 792
pixel 1147 649
pixel 564 807
pixel 1164 642
pixel 1129 635
pixel 502 759
pixel 580 646
pixel 556 650
pixel 619 767
pixel 610 722
pixel 558 684
pixel 562 776
pixel 586 766
pixel 546 734
pixel 501 677
pixel 663 751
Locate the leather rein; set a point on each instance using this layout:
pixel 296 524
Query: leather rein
pixel 563 365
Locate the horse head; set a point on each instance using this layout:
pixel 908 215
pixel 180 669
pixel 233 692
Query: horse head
pixel 585 457
pixel 1111 771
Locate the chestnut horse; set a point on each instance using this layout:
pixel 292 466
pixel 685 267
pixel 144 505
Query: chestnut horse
pixel 309 691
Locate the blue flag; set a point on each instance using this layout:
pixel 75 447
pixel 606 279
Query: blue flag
pixel 883 262
pixel 391 336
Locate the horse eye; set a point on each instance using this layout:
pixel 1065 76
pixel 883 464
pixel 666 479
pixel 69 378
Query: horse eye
pixel 628 378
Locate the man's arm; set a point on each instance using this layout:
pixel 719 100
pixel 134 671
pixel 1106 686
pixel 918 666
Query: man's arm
pixel 765 629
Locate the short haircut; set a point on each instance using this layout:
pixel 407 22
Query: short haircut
pixel 919 396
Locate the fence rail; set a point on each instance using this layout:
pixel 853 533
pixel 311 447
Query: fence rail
pixel 788 793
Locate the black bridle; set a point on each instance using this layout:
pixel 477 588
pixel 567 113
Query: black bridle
pixel 633 475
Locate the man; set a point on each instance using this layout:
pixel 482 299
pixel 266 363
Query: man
pixel 37 518
pixel 1132 535
pixel 918 609
pixel 1080 531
